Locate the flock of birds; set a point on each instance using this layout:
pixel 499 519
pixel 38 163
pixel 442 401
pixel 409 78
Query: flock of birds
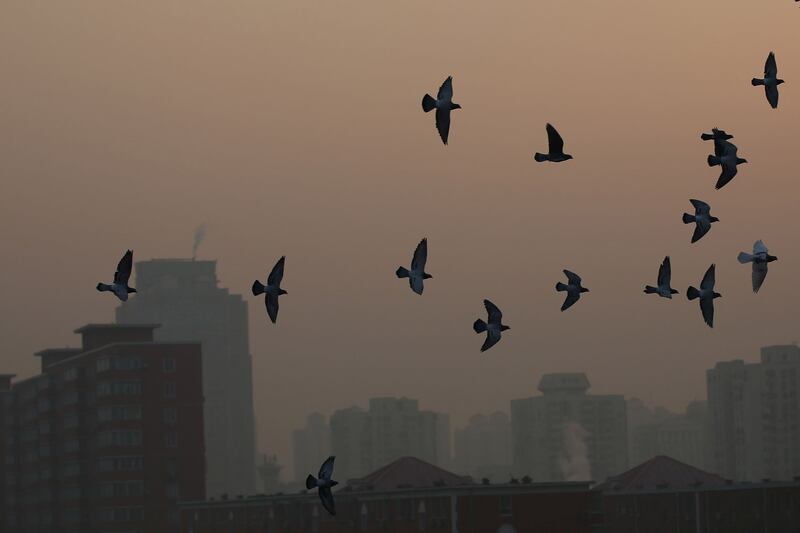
pixel 725 156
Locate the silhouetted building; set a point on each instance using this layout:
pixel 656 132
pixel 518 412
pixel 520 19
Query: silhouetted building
pixel 483 447
pixel 183 296
pixel 566 434
pixel 407 496
pixel 311 445
pixel 392 428
pixel 107 438
pixel 754 416
pixel 682 436
pixel 270 473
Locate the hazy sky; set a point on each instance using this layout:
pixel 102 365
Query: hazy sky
pixel 295 128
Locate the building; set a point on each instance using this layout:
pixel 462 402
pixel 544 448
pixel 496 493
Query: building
pixel 663 495
pixel 7 461
pixel 566 434
pixel 483 447
pixel 681 436
pixel 405 496
pixel 391 428
pixel 754 416
pixel 311 445
pixel 107 438
pixel 184 297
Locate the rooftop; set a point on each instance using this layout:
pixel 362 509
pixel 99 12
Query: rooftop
pixel 407 473
pixel 90 327
pixel 660 472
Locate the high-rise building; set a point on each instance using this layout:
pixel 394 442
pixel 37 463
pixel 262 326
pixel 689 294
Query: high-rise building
pixel 311 445
pixel 680 436
pixel 483 448
pixel 184 297
pixel 566 434
pixel 107 438
pixel 754 416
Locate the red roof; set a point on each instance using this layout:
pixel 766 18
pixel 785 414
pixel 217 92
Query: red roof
pixel 660 472
pixel 407 473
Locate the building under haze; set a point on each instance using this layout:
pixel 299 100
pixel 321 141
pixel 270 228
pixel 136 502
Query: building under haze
pixel 483 448
pixel 183 296
pixel 754 416
pixel 660 432
pixel 109 437
pixel 566 434
pixel 311 445
pixel 391 428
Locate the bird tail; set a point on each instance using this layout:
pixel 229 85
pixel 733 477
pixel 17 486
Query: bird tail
pixel 756 81
pixel 311 482
pixel 706 136
pixel 479 326
pixel 561 287
pixel 402 272
pixel 102 287
pixel 258 288
pixel 428 103
pixel 744 257
pixel 692 293
pixel 540 157
pixel 713 160
pixel 687 218
pixel 649 289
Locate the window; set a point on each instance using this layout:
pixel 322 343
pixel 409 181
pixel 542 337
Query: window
pixel 70 374
pixel 119 438
pixel 168 364
pixel 108 413
pixel 126 363
pixel 72 445
pixel 72 468
pixel 171 439
pixel 170 416
pixel 68 398
pixel 172 490
pixel 119 388
pixel 70 421
pixel 170 391
pixel 121 489
pixel 120 514
pixel 103 364
pixel 124 463
pixel 505 505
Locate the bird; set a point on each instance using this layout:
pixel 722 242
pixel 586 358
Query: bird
pixel 770 80
pixel 272 289
pixel 443 103
pixel 555 148
pixel 702 218
pixel 717 134
pixel 324 483
pixel 725 155
pixel 664 275
pixel 760 258
pixel 417 273
pixel 493 328
pixel 120 286
pixel 572 287
pixel 706 295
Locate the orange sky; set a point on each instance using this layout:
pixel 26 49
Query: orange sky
pixel 295 128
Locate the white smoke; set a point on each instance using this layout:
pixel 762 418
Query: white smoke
pixel 199 235
pixel 574 461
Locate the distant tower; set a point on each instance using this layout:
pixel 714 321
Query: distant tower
pixel 183 296
pixel 270 473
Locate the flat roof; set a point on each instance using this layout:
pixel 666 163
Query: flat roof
pixel 116 326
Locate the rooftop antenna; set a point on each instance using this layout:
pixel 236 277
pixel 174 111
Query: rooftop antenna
pixel 199 235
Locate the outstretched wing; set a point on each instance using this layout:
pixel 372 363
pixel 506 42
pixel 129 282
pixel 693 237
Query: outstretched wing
pixel 573 278
pixel 495 316
pixel 707 308
pixel 729 171
pixel 276 275
pixel 554 141
pixel 708 279
pixel 771 67
pixel 759 274
pixel 124 268
pixel 446 90
pixel 701 228
pixel 700 207
pixel 420 256
pixel 272 306
pixel 664 273
pixel 759 247
pixel 572 297
pixel 772 95
pixel 416 283
pixel 326 497
pixel 443 123
pixel 326 470
pixel 492 338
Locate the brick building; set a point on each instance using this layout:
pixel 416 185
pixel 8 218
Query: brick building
pixel 107 438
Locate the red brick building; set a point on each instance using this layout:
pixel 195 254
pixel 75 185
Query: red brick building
pixel 407 495
pixel 107 438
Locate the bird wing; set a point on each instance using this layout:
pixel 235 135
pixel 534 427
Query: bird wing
pixel 771 67
pixel 664 273
pixel 495 316
pixel 492 338
pixel 772 95
pixel 420 256
pixel 124 267
pixel 554 141
pixel 443 123
pixel 416 283
pixel 276 275
pixel 572 297
pixel 708 279
pixel 326 497
pixel 446 90
pixel 759 247
pixel 271 301
pixel 700 229
pixel 326 470
pixel 759 274
pixel 729 170
pixel 573 278
pixel 707 308
pixel 700 207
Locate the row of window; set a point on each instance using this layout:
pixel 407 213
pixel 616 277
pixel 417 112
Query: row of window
pixel 129 363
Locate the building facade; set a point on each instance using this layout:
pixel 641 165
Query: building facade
pixel 681 436
pixel 483 448
pixel 566 434
pixel 107 438
pixel 311 445
pixel 184 297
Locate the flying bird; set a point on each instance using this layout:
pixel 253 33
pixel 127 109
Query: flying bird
pixel 725 155
pixel 572 287
pixel 717 134
pixel 417 273
pixel 760 258
pixel 702 218
pixel 555 148
pixel 443 103
pixel 493 328
pixel 770 80
pixel 272 289
pixel 324 483
pixel 706 295
pixel 120 286
pixel 664 275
